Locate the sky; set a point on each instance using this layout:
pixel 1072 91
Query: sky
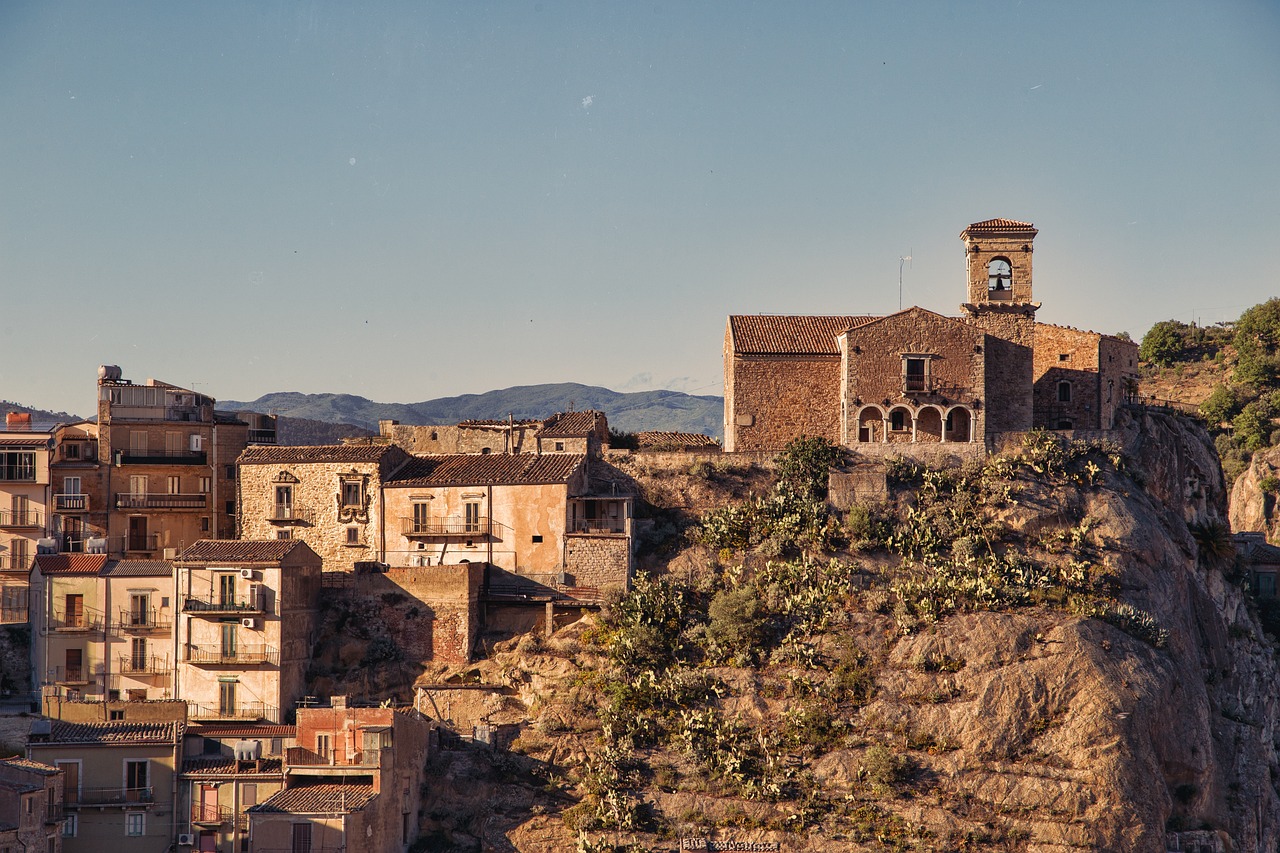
pixel 420 199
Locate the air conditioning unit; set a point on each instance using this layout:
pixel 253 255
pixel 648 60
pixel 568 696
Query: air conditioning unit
pixel 186 839
pixel 247 574
pixel 171 553
pixel 196 445
pixel 249 622
pixel 419 560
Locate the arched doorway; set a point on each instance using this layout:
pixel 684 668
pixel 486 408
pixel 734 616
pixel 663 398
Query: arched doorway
pixel 870 425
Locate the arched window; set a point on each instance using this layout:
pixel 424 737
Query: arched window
pixel 999 274
pixel 1064 424
pixel 897 420
pixel 1064 391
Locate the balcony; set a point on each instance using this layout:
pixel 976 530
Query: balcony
pixel 455 526
pixel 150 665
pixel 70 503
pixel 11 563
pixel 55 812
pixel 162 457
pixel 242 711
pixel 29 518
pixel 299 757
pixel 71 621
pixel 115 796
pixel 143 621
pixel 290 514
pixel 254 654
pixel 598 525
pixel 210 815
pixel 73 675
pixel 126 500
pixel 222 606
pixel 262 436
pixel 13 615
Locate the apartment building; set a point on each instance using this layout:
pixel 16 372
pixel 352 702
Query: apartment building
pixel 31 812
pixel 248 612
pixel 25 452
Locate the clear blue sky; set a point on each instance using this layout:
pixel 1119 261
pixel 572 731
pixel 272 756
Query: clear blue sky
pixel 411 200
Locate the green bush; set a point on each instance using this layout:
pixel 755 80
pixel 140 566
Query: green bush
pixel 887 771
pixel 737 621
pixel 1165 343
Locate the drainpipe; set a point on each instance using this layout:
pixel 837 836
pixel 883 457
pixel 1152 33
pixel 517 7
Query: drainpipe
pixel 382 521
pixel 177 768
pixel 488 536
pixel 106 640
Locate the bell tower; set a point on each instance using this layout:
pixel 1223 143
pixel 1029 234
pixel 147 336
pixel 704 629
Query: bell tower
pixel 999 260
pixel 999 253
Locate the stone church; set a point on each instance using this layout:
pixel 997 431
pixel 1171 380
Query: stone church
pixel 921 377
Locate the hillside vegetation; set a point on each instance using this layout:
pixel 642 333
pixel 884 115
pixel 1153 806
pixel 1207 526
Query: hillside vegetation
pixel 1047 651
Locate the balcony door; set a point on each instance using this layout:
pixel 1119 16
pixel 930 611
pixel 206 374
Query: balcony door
pixel 75 664
pixel 74 613
pixel 284 501
pixel 139 609
pixel 138 654
pixel 135 781
pixel 227 590
pixel 226 698
pixel 228 641
pixel 138 531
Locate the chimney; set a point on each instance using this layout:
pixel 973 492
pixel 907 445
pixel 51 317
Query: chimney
pixel 338 702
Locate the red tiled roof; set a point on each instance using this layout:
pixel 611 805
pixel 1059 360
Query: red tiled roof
pixel 317 799
pixel 571 424
pixel 499 424
pixel 493 469
pixel 1000 226
pixel 226 766
pixel 65 733
pixel 777 334
pixel 70 564
pixel 138 569
pixel 249 730
pixel 654 438
pixel 263 454
pixel 33 766
pixel 240 550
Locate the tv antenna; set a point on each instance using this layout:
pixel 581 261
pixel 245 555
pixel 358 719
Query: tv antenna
pixel 905 259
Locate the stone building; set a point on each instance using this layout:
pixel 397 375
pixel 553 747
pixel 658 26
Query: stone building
pixel 917 377
pixel 329 496
pixel 249 610
pixel 31 810
pixel 565 432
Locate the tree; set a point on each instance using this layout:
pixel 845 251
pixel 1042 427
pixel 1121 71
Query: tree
pixel 1222 405
pixel 1165 342
pixel 805 465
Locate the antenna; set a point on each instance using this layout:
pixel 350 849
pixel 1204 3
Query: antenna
pixel 905 259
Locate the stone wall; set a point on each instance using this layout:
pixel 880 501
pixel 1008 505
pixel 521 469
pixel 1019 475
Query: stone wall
pixel 773 400
pixel 1009 365
pixel 1070 356
pixel 433 613
pixel 452 438
pixel 599 561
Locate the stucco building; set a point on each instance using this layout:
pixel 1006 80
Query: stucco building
pixel 917 377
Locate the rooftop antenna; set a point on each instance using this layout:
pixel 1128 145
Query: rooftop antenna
pixel 905 259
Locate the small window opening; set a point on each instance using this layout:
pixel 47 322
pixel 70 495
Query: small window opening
pixel 897 420
pixel 1064 392
pixel 999 275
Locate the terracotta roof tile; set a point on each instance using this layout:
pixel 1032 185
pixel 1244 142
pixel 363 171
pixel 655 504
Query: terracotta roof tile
pixel 240 550
pixel 153 732
pixel 227 766
pixel 777 334
pixel 138 569
pixel 571 424
pixel 488 470
pixel 33 766
pixel 70 564
pixel 249 730
pixel 342 453
pixel 315 799
pixel 499 424
pixel 655 438
pixel 1000 226
pixel 11 440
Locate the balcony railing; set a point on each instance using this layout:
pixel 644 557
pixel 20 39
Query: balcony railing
pixel 128 500
pixel 70 503
pixel 1002 295
pixel 455 526
pixel 291 514
pixel 143 621
pixel 262 436
pixel 13 615
pixel 299 756
pixel 219 606
pixel 110 796
pixel 76 620
pixel 210 815
pixel 82 674
pixel 149 665
pixel 241 711
pixel 29 518
pixel 252 654
pixel 55 812
pixel 163 457
pixel 11 563
pixel 915 385
pixel 598 525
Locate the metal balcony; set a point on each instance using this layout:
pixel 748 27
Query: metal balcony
pixel 453 526
pixel 254 654
pixel 29 518
pixel 163 457
pixel 290 514
pixel 70 503
pixel 144 666
pixel 262 436
pixel 210 815
pixel 143 621
pixel 111 796
pixel 64 620
pixel 240 711
pixel 598 525
pixel 222 606
pixel 127 500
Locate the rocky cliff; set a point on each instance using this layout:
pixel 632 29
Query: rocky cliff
pixel 1109 685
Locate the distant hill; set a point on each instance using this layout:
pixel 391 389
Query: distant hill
pixel 39 417
pixel 294 431
pixel 627 411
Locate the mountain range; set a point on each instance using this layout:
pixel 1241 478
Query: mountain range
pixel 627 411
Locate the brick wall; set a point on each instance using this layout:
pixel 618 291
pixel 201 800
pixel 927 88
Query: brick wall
pixel 783 398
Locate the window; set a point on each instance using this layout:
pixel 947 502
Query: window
pixel 138 443
pixel 18 465
pixel 71 451
pixel 136 780
pixel 537 537
pixel 471 517
pixel 1064 392
pixel 70 824
pixel 206 485
pixel 115 715
pixel 1062 356
pixel 172 443
pixel 284 534
pixel 999 275
pixel 230 508
pixel 204 524
pixel 559 445
pixel 175 485
pixel 248 795
pixel 353 535
pixel 231 472
pixel 228 640
pixel 135 823
pixel 898 420
pixel 73 615
pixel 71 486
pixel 915 374
pixel 139 608
pixel 421 517
pixel 226 590
pixel 19 553
pixel 227 698
pixel 138 654
pixel 284 502
pixel 138 484
pixel 323 745
pixel 353 494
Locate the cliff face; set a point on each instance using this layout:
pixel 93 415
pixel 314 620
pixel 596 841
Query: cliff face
pixel 1027 728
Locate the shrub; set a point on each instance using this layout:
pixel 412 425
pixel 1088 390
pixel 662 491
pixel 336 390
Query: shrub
pixel 887 771
pixel 737 621
pixel 805 465
pixel 1165 343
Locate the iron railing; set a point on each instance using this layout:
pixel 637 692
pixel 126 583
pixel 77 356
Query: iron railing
pixel 240 711
pixel 25 518
pixel 210 814
pixel 215 606
pixel 598 525
pixel 84 619
pixel 148 665
pixel 163 457
pixel 291 512
pixel 453 526
pixel 242 655
pixel 299 756
pixel 142 621
pixel 150 500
